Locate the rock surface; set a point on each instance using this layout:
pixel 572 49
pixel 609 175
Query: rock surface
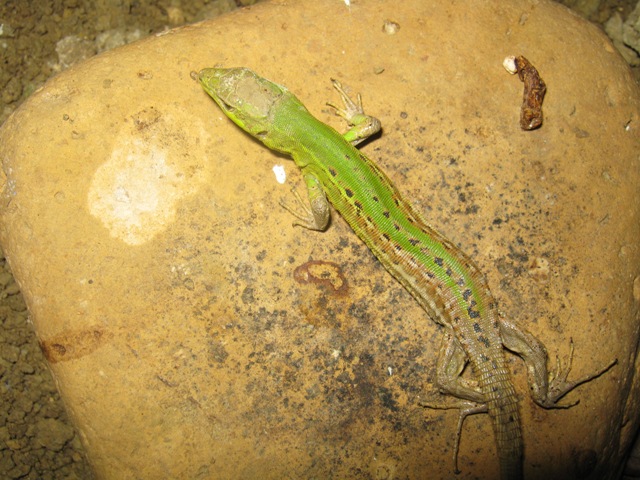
pixel 195 334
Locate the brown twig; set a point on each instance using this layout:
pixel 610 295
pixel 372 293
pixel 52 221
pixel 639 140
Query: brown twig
pixel 534 90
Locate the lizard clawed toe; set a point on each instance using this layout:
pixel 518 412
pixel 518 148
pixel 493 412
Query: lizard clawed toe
pixel 559 386
pixel 465 408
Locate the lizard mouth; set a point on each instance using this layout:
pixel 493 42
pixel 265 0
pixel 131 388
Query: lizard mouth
pixel 225 106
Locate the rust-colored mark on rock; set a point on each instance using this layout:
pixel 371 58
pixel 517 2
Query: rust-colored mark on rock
pixel 146 118
pixel 534 91
pixel 322 273
pixel 70 345
pixel 539 269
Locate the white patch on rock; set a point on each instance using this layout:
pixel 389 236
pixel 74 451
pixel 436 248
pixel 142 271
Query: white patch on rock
pixel 135 192
pixel 280 173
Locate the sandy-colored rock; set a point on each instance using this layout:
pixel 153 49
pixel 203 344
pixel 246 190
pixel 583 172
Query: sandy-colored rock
pixel 196 334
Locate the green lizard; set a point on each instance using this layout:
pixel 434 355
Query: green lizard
pixel 445 282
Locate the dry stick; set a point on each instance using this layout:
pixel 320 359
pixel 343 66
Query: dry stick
pixel 534 90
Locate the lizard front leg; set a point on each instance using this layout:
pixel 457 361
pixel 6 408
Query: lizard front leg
pixel 315 214
pixel 362 125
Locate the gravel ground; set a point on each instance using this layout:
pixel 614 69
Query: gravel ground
pixel 37 40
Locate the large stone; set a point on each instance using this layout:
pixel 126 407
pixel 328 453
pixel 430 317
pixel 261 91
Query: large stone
pixel 195 333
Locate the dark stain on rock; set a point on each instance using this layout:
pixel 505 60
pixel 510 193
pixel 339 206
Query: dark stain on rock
pixel 146 118
pixel 73 344
pixel 584 461
pixel 217 351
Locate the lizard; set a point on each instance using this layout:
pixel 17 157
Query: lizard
pixel 446 282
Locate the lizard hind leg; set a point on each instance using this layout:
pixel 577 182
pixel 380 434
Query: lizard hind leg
pixel 465 408
pixel 451 362
pixel 547 387
pixel 559 386
pixel 470 401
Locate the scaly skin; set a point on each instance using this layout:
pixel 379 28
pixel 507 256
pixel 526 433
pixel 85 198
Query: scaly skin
pixel 445 282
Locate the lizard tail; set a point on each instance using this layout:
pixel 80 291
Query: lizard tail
pixel 502 406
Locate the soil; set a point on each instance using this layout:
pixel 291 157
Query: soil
pixel 37 40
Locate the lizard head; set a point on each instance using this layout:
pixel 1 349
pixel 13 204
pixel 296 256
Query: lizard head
pixel 243 96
